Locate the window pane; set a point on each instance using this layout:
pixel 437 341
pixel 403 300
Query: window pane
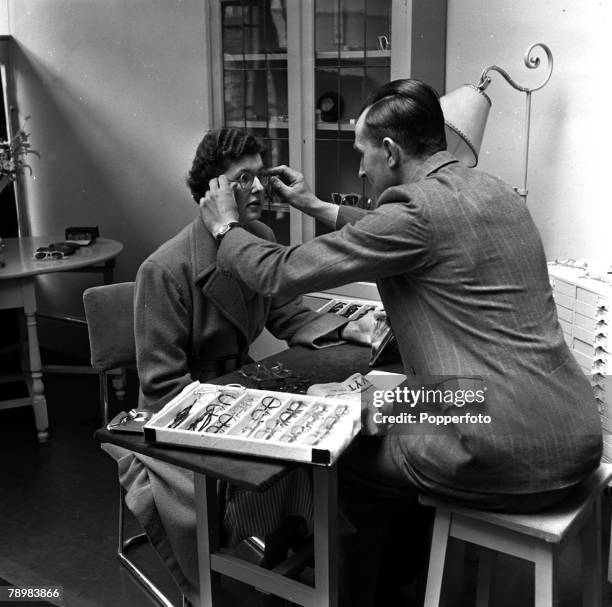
pixel 352 58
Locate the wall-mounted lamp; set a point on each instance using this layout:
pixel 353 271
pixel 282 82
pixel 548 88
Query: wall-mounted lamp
pixel 467 108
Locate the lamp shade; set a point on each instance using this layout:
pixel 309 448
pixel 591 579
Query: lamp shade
pixel 466 110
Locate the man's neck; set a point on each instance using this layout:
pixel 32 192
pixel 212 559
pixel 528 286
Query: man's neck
pixel 412 169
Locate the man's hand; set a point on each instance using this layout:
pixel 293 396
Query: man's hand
pixel 218 207
pixel 291 186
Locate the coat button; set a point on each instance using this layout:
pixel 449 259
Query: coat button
pixel 412 370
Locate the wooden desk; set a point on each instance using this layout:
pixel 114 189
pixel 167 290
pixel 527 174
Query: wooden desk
pixel 17 290
pixel 329 364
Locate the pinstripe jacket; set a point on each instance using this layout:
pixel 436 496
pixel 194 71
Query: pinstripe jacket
pixel 462 274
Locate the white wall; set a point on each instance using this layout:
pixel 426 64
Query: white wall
pixel 116 93
pixel 4 18
pixel 568 184
pixel 117 89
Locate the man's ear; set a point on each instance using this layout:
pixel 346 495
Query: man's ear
pixel 392 151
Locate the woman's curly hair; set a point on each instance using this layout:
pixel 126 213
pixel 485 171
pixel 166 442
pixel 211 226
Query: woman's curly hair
pixel 217 150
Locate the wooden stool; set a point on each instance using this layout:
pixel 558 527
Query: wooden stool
pixel 535 537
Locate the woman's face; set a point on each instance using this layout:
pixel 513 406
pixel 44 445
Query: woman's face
pixel 249 200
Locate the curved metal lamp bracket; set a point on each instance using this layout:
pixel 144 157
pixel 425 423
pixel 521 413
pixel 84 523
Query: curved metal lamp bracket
pixel 532 61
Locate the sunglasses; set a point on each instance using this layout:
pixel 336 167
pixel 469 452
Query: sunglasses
pixel 46 254
pixel 351 200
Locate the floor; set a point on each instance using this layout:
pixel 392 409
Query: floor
pixel 58 507
pixel 58 517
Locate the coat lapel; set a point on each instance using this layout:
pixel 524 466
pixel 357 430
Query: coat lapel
pixel 223 291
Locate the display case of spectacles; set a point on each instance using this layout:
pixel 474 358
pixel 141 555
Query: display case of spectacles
pixel 235 419
pixel 351 309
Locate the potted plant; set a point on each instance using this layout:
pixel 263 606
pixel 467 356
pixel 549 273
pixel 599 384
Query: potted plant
pixel 13 155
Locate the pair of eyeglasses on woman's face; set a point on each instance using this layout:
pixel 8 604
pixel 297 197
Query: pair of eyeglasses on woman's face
pixel 246 179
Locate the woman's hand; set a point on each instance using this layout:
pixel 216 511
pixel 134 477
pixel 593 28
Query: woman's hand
pixel 218 207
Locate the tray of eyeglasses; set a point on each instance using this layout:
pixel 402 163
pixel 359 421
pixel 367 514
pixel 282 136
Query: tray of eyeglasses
pixel 264 423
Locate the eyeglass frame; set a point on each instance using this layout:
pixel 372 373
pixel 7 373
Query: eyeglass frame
pixel 307 424
pixel 218 394
pixel 245 186
pixel 252 427
pixel 265 407
pixel 208 414
pixel 270 428
pixel 328 423
pixel 181 416
pixel 290 411
pixel 220 426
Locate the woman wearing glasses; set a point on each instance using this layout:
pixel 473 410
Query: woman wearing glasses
pixel 194 323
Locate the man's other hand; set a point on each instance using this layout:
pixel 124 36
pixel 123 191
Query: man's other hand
pixel 218 207
pixel 360 330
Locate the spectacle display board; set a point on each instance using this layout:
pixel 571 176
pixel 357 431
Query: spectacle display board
pixel 383 342
pixel 264 423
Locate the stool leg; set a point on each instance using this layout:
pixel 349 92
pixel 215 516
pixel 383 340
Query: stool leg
pixel 207 526
pixel 610 560
pixel 486 565
pixel 546 593
pixel 591 559
pixel 437 556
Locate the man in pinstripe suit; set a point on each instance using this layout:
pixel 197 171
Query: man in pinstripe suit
pixel 462 274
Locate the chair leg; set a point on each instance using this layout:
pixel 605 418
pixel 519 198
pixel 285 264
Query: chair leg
pixel 591 559
pixel 120 384
pixel 546 582
pixel 103 397
pixel 437 557
pixel 137 574
pixel 325 485
pixel 207 530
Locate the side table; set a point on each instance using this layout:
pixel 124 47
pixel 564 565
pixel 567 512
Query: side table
pixel 17 290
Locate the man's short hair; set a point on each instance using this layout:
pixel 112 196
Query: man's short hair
pixel 217 150
pixel 408 111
